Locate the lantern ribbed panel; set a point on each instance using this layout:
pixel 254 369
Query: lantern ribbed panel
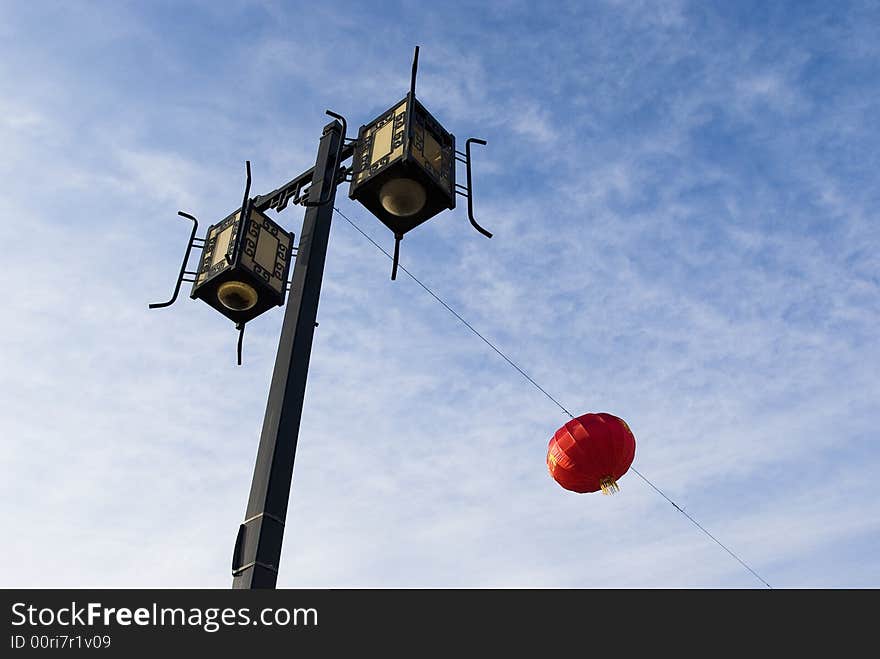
pixel 589 448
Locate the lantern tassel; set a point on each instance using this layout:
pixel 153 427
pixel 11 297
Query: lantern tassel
pixel 609 485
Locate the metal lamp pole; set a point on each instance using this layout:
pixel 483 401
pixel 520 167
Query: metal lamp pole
pixel 258 545
pixel 403 172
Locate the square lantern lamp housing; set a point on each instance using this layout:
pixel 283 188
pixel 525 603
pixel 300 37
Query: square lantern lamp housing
pixel 404 166
pixel 244 266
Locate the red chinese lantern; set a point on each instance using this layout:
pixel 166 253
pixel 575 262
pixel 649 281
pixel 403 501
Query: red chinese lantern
pixel 591 453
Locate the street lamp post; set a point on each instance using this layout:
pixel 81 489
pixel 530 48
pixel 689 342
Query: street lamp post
pixel 258 545
pixel 403 171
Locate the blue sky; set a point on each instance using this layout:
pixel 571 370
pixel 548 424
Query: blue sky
pixel 685 203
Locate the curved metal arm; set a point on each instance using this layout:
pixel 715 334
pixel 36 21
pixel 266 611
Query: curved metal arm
pixel 245 211
pixel 329 191
pixel 470 195
pixel 189 245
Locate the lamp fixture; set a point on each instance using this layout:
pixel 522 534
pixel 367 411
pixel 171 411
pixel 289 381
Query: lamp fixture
pixel 404 167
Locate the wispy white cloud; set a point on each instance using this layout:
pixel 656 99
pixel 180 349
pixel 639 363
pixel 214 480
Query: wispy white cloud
pixel 684 235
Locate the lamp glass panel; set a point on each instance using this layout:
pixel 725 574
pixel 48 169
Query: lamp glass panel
pixel 267 250
pixel 428 150
pixel 222 245
pixel 382 143
pixel 433 152
pixel 387 137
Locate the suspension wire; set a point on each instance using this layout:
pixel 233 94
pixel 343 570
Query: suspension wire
pixel 700 526
pixel 453 312
pixel 543 391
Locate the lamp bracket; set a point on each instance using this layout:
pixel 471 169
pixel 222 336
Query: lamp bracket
pixel 342 175
pixel 278 199
pixel 296 190
pixel 193 242
pixel 468 191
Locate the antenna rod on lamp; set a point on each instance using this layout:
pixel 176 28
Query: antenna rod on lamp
pixel 412 84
